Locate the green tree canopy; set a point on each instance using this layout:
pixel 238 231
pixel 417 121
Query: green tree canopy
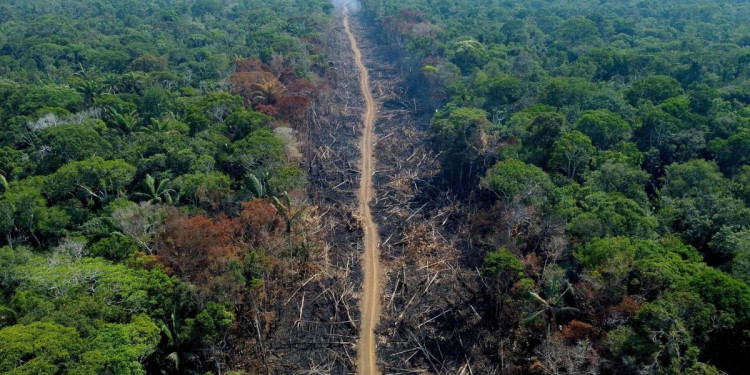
pixel 572 153
pixel 606 129
pixel 93 178
pixel 514 180
pixel 38 348
pixel 656 89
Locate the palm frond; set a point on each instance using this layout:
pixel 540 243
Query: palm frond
pixel 538 299
pixel 531 319
pixel 255 186
pixel 3 183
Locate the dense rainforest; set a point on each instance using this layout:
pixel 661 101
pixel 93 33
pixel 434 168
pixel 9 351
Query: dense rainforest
pixel 152 195
pixel 588 211
pixel 602 149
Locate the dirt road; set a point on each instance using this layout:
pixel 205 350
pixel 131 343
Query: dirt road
pixel 370 301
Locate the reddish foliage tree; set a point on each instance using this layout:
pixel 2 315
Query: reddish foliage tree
pixel 287 77
pixel 622 313
pixel 258 218
pixel 188 245
pixel 577 330
pixel 257 87
pixel 267 110
pixel 294 109
pixel 201 250
pixel 532 264
pixel 251 64
pixel 288 96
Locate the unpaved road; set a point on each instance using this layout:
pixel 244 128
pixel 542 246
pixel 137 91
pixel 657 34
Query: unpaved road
pixel 370 301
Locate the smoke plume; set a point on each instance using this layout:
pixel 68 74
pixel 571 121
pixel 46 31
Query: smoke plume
pixel 353 5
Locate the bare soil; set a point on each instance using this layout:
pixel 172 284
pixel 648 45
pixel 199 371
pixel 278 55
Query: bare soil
pixel 370 301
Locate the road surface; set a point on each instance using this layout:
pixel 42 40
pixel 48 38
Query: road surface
pixel 370 301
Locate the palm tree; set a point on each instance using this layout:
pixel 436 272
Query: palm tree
pixel 132 81
pixel 91 90
pixel 3 183
pixel 125 121
pixel 256 186
pixel 177 348
pixel 266 92
pixel 157 193
pixel 111 82
pixel 551 307
pixel 156 126
pixel 290 212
